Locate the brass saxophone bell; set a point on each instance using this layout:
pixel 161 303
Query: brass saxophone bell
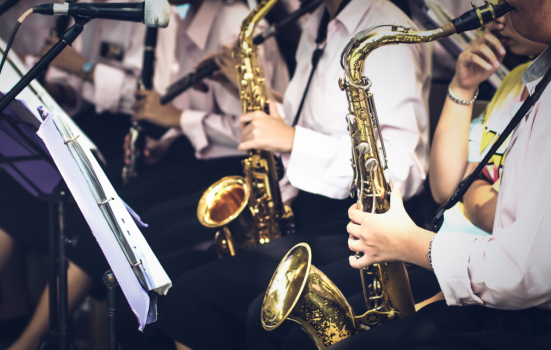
pixel 301 293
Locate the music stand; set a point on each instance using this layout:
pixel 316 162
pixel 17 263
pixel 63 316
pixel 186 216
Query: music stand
pixel 24 156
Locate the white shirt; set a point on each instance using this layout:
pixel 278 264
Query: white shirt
pixel 115 79
pixel 320 160
pixel 509 269
pixel 211 120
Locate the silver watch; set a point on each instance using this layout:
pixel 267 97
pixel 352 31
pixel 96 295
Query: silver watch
pixel 87 67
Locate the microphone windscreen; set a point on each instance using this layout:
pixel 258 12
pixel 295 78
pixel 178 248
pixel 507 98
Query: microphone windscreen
pixel 156 13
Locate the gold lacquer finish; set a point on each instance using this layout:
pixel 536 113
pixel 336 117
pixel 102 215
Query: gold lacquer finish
pixel 261 216
pixel 301 293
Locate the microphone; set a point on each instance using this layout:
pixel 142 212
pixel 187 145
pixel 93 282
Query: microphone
pixel 153 13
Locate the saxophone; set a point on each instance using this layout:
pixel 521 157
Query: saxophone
pixel 248 209
pixel 299 291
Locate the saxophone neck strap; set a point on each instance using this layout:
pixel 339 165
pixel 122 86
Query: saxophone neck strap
pixel 318 52
pixel 464 186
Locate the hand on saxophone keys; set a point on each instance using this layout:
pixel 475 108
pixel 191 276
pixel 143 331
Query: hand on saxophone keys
pixel 266 132
pixel 387 237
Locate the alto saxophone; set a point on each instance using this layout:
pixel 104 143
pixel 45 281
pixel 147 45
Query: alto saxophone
pixel 300 292
pixel 248 209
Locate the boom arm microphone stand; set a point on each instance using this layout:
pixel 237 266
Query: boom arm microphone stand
pixel 7 5
pixel 67 39
pixel 58 336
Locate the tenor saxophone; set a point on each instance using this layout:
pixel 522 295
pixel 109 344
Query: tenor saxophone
pixel 300 292
pixel 248 210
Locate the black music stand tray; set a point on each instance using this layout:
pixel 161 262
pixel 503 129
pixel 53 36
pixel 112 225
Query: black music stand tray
pixel 24 156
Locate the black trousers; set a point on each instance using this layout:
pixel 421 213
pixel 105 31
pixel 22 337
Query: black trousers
pixel 184 180
pixel 216 296
pixel 436 326
pixel 423 284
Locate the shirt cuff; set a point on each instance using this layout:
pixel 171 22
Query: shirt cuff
pixel 450 260
pixel 108 84
pixel 192 126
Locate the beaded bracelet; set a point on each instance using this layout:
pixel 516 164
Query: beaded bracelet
pixel 460 101
pixel 429 253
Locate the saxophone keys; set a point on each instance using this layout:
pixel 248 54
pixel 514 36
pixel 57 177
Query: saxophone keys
pixel 363 148
pixel 341 84
pixel 371 164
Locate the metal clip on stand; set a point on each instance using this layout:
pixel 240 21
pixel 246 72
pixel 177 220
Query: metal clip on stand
pixel 112 291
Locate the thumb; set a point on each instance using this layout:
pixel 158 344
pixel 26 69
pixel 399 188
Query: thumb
pixel 396 195
pixel 274 112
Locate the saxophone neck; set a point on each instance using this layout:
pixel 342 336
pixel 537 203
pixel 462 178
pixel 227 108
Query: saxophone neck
pixel 362 44
pixel 246 35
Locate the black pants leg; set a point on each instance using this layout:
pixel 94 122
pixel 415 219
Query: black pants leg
pixel 438 326
pixel 150 189
pixel 216 295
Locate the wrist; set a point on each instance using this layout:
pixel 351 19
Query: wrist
pixel 418 247
pixel 87 69
pixel 462 92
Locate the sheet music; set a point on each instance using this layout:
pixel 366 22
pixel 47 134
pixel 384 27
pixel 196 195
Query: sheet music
pixel 35 96
pixel 133 262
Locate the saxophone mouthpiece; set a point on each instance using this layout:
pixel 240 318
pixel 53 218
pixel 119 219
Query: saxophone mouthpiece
pixel 478 17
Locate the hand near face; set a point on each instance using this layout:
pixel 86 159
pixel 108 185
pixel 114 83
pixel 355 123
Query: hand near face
pixel 147 107
pixel 479 61
pixel 387 237
pixel 266 132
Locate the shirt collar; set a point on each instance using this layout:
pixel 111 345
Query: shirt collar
pixel 537 70
pixel 350 16
pixel 201 24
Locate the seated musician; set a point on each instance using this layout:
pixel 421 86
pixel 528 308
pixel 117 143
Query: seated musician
pixel 475 64
pixel 219 18
pixel 459 143
pixel 316 155
pixel 501 280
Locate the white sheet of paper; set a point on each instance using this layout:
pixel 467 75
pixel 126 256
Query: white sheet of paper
pixel 133 291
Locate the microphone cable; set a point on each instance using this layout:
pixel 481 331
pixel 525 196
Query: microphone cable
pixel 12 36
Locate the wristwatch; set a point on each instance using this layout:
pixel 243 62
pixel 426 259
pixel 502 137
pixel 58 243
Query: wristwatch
pixel 87 68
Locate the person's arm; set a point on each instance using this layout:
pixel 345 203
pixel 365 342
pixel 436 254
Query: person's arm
pixel 506 270
pixel 449 151
pixel 480 204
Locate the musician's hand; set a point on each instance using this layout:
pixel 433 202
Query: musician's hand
pixel 226 75
pixel 153 151
pixel 69 60
pixel 266 132
pixel 147 107
pixel 387 237
pixel 477 63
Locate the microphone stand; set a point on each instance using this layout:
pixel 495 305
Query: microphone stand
pixel 58 336
pixel 7 5
pixel 67 39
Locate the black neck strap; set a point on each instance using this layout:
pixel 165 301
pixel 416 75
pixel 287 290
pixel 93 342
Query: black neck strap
pixel 316 55
pixel 464 186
